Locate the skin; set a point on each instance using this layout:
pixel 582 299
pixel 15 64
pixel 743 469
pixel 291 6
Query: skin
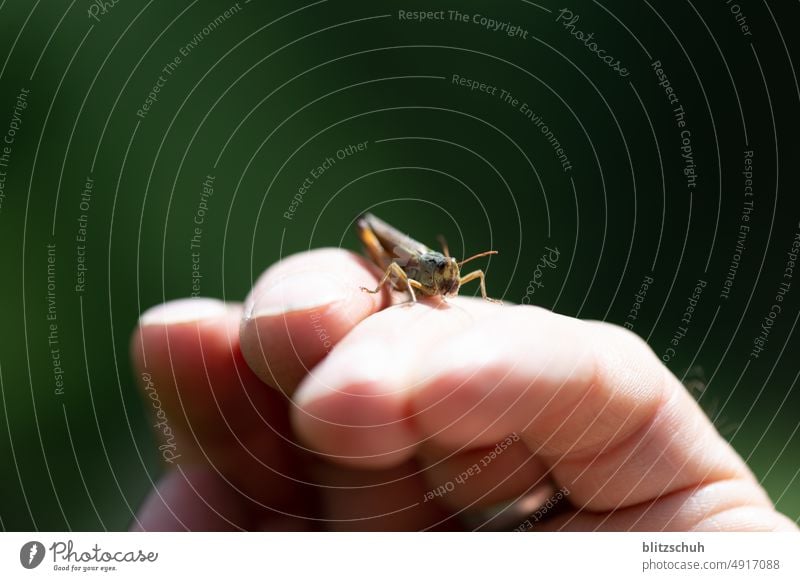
pixel 315 405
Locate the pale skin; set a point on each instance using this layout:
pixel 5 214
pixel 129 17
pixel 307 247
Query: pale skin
pixel 315 405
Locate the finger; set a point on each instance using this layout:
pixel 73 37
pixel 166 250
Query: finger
pixel 378 500
pixel 354 407
pixel 195 499
pixel 208 407
pixel 591 400
pixel 300 308
pixel 483 477
pixel 199 499
pixel 727 505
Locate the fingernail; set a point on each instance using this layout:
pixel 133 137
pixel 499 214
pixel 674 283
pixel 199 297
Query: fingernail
pixel 298 292
pixel 183 311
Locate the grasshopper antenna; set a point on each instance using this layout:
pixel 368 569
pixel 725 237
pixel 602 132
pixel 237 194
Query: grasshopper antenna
pixel 443 244
pixel 487 253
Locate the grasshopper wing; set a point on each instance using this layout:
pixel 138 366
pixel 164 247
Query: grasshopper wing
pixel 386 244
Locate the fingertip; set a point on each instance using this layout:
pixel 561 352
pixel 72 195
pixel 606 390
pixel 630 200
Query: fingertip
pixel 359 424
pixel 353 409
pixel 311 280
pixel 300 308
pixel 205 399
pixel 189 310
pixel 176 323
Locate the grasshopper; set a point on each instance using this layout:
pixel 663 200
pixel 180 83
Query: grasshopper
pixel 412 266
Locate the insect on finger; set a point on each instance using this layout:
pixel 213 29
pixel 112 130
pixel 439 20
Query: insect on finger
pixel 430 272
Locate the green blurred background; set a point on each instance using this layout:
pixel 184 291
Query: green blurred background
pixel 263 96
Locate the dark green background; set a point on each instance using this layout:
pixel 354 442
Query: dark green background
pixel 288 87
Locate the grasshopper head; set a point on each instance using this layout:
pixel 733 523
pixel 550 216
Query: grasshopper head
pixel 446 277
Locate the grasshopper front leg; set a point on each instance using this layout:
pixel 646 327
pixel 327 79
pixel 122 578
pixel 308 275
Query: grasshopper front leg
pixel 395 269
pixel 472 276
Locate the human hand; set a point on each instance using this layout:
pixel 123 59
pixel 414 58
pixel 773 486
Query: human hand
pixel 378 415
